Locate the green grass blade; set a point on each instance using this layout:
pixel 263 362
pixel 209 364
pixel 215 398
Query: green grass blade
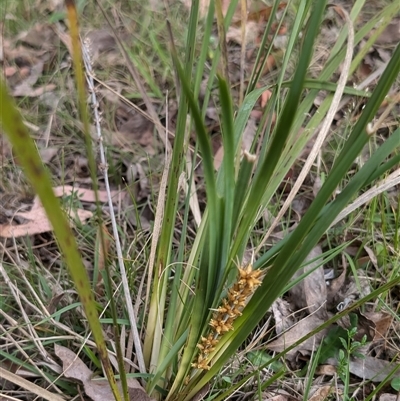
pixel 228 180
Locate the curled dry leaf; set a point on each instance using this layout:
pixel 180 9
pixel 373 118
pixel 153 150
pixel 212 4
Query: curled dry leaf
pixel 249 134
pixel 138 181
pixel 97 390
pixel 283 316
pixel 265 96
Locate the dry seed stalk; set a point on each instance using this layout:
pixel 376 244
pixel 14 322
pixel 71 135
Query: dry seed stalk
pixel 231 307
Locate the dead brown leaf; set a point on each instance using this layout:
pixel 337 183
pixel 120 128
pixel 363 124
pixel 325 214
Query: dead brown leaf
pixel 247 140
pixel 26 57
pixel 137 130
pixel 97 390
pixel 334 286
pixel 36 219
pixel 391 33
pixel 41 36
pixel 352 289
pixel 47 154
pixel 37 222
pixel 303 327
pixel 252 33
pixel 101 42
pixel 380 323
pixel 311 292
pixel 10 71
pixel 219 156
pixel 278 395
pixel 257 13
pixel 103 47
pixel 85 195
pixel 277 398
pixel 369 368
pixel 372 257
pixel 328 370
pixel 256 9
pixel 321 393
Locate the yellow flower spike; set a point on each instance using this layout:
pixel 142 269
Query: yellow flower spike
pixel 224 317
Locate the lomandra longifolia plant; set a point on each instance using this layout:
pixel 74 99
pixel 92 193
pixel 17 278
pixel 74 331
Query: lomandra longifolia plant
pixel 211 311
pixel 203 299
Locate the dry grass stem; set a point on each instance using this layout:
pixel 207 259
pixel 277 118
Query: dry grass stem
pixel 120 257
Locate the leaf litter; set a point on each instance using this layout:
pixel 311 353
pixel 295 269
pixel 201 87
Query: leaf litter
pixel 97 390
